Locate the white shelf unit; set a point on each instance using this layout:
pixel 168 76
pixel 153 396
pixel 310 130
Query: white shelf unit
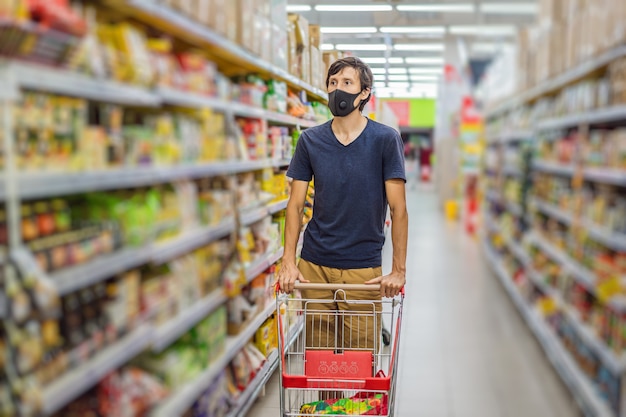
pixel 550 128
pixel 512 171
pixel 510 136
pixel 103 267
pixel 577 73
pixel 74 383
pixel 580 273
pixel 263 263
pixel 601 175
pixel 171 331
pixel 615 241
pixel 614 362
pixel 246 400
pixel 584 391
pixel 251 216
pixel 593 117
pixel 52 184
pixel 164 18
pixel 184 397
pixel 187 99
pixel 17 76
pixel 64 82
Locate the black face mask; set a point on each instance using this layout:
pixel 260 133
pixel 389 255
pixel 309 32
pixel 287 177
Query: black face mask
pixel 341 103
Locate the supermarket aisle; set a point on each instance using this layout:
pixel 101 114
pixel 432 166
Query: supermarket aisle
pixel 465 351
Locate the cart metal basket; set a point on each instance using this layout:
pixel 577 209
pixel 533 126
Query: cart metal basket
pixel 338 365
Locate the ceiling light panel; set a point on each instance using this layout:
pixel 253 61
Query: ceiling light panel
pixel 381 60
pixel 418 60
pixel 421 71
pixel 438 8
pixel 398 77
pixel 390 70
pixel 509 8
pixel 435 30
pixel 483 30
pixel 361 47
pixel 397 85
pixel 355 29
pixel 417 77
pixel 419 47
pixel 352 8
pixel 327 47
pixel 298 8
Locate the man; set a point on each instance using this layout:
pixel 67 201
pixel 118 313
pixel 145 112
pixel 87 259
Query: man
pixel 358 169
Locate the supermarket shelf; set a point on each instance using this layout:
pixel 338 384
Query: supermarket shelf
pixel 510 136
pixel 552 211
pixel 254 112
pixel 574 378
pixel 609 115
pixel 493 196
pixel 106 266
pixel 514 208
pixel 50 184
pixel 616 364
pixel 491 225
pixel 518 251
pixel 190 99
pixel 168 333
pixel 582 274
pixel 247 398
pixel 578 72
pixel 249 217
pixel 61 81
pixel 181 400
pixel 172 22
pixel 277 206
pixel 75 382
pixel 603 175
pixel 188 241
pixel 103 267
pixel 512 171
pixel 615 241
pixel 606 175
pixel 262 264
pixel 553 168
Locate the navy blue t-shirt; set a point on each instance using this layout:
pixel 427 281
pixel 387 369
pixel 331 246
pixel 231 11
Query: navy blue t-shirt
pixel 350 204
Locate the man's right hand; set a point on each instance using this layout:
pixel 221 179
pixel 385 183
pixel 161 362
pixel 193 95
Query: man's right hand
pixel 288 274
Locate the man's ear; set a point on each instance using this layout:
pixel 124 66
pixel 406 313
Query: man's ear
pixel 365 93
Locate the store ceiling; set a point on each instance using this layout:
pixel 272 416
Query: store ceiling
pixel 404 41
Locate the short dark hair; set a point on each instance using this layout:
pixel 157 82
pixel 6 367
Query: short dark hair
pixel 365 74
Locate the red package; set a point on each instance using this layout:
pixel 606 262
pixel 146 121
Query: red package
pixel 57 14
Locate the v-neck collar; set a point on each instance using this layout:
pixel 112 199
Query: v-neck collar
pixel 338 142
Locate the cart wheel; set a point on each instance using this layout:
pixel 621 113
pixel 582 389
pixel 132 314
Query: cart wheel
pixel 386 337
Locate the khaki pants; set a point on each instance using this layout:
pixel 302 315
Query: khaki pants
pixel 358 326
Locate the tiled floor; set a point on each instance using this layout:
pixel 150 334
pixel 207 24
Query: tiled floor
pixel 465 351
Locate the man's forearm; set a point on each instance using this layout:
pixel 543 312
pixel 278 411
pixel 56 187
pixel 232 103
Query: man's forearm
pixel 399 236
pixel 293 224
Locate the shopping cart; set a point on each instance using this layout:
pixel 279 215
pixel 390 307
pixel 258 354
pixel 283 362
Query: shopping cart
pixel 334 361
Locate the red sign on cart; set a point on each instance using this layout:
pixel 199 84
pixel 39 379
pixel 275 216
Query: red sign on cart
pixel 346 365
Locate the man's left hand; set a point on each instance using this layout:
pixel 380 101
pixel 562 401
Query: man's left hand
pixel 390 285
